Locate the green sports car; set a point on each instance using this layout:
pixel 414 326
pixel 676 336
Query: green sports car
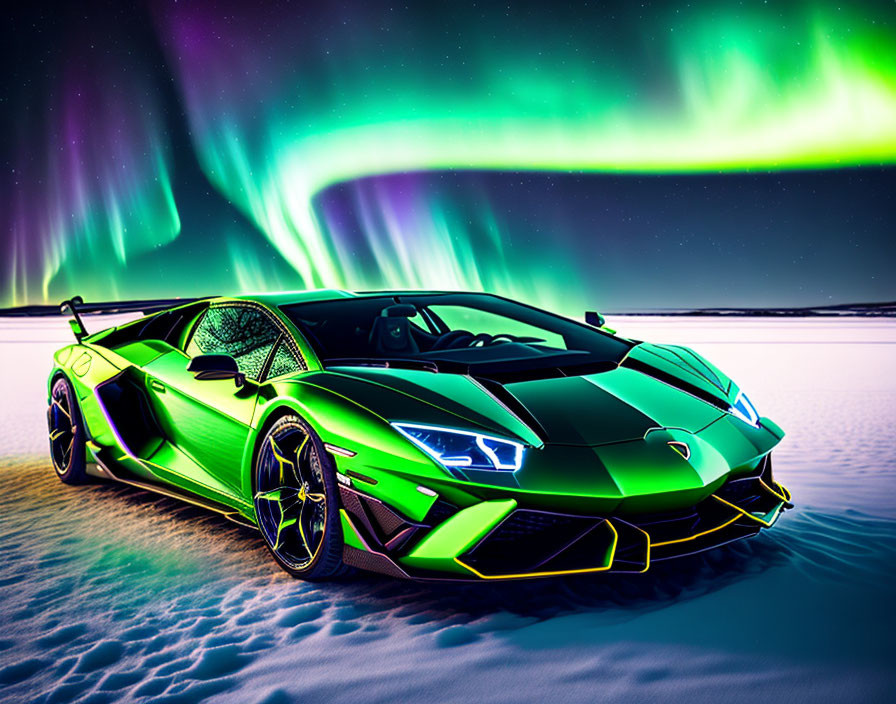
pixel 424 435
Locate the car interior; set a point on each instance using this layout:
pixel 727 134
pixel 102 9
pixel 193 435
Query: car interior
pixel 464 328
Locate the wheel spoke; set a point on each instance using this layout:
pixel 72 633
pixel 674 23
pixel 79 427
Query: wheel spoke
pixel 298 501
pixel 279 455
pixel 302 536
pixel 66 453
pixel 287 499
pixel 56 402
pixel 295 467
pixel 281 526
pixel 277 494
pixel 284 496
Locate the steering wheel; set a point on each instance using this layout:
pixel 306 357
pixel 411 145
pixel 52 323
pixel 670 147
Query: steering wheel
pixel 463 338
pixel 504 338
pixel 451 339
pixel 483 339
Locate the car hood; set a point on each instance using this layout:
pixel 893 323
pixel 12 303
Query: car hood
pixel 608 438
pixel 612 406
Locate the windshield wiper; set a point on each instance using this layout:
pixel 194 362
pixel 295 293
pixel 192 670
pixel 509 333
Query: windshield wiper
pixel 381 362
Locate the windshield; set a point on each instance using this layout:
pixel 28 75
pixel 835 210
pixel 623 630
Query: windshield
pixel 449 329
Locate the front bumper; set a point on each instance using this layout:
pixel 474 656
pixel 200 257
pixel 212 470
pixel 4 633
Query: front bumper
pixel 499 539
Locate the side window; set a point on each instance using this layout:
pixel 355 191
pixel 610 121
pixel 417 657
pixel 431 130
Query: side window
pixel 243 332
pixel 284 362
pixel 420 322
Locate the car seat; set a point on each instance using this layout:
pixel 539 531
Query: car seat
pixel 390 334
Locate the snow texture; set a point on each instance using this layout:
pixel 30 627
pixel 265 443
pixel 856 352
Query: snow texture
pixel 112 594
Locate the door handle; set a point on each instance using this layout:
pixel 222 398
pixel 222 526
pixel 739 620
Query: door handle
pixel 157 386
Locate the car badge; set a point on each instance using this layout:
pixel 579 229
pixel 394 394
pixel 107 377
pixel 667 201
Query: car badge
pixel 681 448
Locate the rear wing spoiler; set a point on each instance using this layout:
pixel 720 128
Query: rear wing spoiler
pixel 70 307
pixel 75 305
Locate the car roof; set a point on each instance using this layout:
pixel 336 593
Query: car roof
pixel 281 298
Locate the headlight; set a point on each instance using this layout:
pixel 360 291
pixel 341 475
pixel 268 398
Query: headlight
pixel 464 449
pixel 744 409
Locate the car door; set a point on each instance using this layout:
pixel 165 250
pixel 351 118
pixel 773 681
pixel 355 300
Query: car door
pixel 208 420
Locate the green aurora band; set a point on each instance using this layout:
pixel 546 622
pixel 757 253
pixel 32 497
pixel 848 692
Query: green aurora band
pixel 741 92
pixel 359 93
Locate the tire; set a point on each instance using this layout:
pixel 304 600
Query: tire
pixel 67 434
pixel 297 501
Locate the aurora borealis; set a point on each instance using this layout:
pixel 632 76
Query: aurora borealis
pixel 565 154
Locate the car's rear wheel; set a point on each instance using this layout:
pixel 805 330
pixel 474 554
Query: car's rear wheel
pixel 296 500
pixel 66 434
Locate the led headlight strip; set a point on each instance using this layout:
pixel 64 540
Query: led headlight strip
pixel 463 448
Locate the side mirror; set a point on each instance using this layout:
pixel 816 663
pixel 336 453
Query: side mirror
pixel 216 366
pixel 596 320
pixel 592 317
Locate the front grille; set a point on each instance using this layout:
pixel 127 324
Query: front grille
pixel 542 542
pixel 528 541
pixel 439 512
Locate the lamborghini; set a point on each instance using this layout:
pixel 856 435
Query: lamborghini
pixel 422 435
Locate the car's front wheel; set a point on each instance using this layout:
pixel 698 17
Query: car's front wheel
pixel 296 500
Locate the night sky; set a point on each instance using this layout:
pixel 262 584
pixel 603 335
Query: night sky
pixel 638 157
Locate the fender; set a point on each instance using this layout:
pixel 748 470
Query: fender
pixel 337 420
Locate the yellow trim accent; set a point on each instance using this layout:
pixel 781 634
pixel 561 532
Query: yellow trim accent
pixel 58 405
pixel 749 515
pixel 647 556
pixel 697 535
pixel 786 492
pixel 351 523
pixel 550 574
pixel 775 493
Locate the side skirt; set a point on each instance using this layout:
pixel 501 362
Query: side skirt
pixel 98 468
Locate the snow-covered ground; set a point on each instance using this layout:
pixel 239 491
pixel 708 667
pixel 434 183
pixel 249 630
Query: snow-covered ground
pixel 112 594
